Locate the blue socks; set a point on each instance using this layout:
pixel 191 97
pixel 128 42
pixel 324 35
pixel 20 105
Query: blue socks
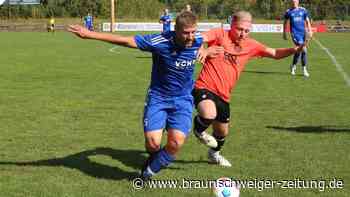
pixel 296 58
pixel 303 55
pixel 304 58
pixel 161 160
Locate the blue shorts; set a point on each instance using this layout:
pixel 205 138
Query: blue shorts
pixel 168 112
pixel 298 39
pixel 90 27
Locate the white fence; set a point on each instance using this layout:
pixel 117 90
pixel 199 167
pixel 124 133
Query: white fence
pixel 274 28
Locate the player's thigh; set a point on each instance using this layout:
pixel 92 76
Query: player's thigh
pixel 207 109
pixel 155 114
pixel 298 40
pixel 205 103
pixel 180 115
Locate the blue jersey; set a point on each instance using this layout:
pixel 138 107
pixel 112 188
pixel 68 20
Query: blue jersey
pixel 166 19
pixel 297 17
pixel 173 67
pixel 88 21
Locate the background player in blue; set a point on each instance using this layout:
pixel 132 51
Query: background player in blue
pixel 165 20
pixel 88 22
pixel 299 18
pixel 169 102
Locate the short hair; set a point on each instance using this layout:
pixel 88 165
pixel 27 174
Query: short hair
pixel 241 16
pixel 185 18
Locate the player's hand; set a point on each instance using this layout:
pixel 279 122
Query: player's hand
pixel 79 31
pixel 302 47
pixel 310 34
pixel 210 52
pixel 202 55
pixel 214 51
pixel 299 48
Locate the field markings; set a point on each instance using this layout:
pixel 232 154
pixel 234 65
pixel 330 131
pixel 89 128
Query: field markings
pixel 118 50
pixel 335 62
pixel 113 50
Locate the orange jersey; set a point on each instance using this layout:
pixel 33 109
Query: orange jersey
pixel 220 74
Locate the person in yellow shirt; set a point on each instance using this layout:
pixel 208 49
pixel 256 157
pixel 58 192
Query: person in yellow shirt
pixel 51 25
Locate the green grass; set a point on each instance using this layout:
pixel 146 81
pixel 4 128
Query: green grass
pixel 70 121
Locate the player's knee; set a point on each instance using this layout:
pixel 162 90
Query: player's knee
pixel 223 132
pixel 152 146
pixel 207 115
pixel 204 121
pixel 173 146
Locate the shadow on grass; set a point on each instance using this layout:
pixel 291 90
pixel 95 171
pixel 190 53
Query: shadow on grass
pixel 313 129
pixel 143 57
pixel 266 72
pixel 81 161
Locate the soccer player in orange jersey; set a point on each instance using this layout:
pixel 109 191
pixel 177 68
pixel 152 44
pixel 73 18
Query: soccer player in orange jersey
pixel 223 62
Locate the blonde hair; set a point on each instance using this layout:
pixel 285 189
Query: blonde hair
pixel 185 18
pixel 241 16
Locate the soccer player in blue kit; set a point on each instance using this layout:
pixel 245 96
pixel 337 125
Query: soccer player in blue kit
pixel 299 18
pixel 169 103
pixel 165 20
pixel 88 21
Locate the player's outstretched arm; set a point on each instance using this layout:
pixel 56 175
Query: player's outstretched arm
pixel 282 52
pixel 84 33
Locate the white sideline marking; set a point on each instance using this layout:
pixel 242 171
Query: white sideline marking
pixel 113 49
pixel 339 66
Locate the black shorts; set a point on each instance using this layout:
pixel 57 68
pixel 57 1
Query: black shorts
pixel 222 107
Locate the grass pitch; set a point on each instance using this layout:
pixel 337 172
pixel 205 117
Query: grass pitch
pixel 70 121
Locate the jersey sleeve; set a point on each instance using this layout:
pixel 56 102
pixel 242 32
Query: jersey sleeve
pixel 259 50
pixel 144 42
pixel 162 18
pixel 306 15
pixel 286 15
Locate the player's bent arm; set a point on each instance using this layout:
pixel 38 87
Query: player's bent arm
pixel 202 54
pixel 205 37
pixel 82 32
pixel 210 52
pixel 281 52
pixel 309 27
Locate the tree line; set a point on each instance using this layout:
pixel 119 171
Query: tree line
pixel 151 9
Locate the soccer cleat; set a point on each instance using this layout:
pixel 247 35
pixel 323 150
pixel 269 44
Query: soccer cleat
pixel 293 68
pixel 144 174
pixel 214 157
pixel 306 74
pixel 206 139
